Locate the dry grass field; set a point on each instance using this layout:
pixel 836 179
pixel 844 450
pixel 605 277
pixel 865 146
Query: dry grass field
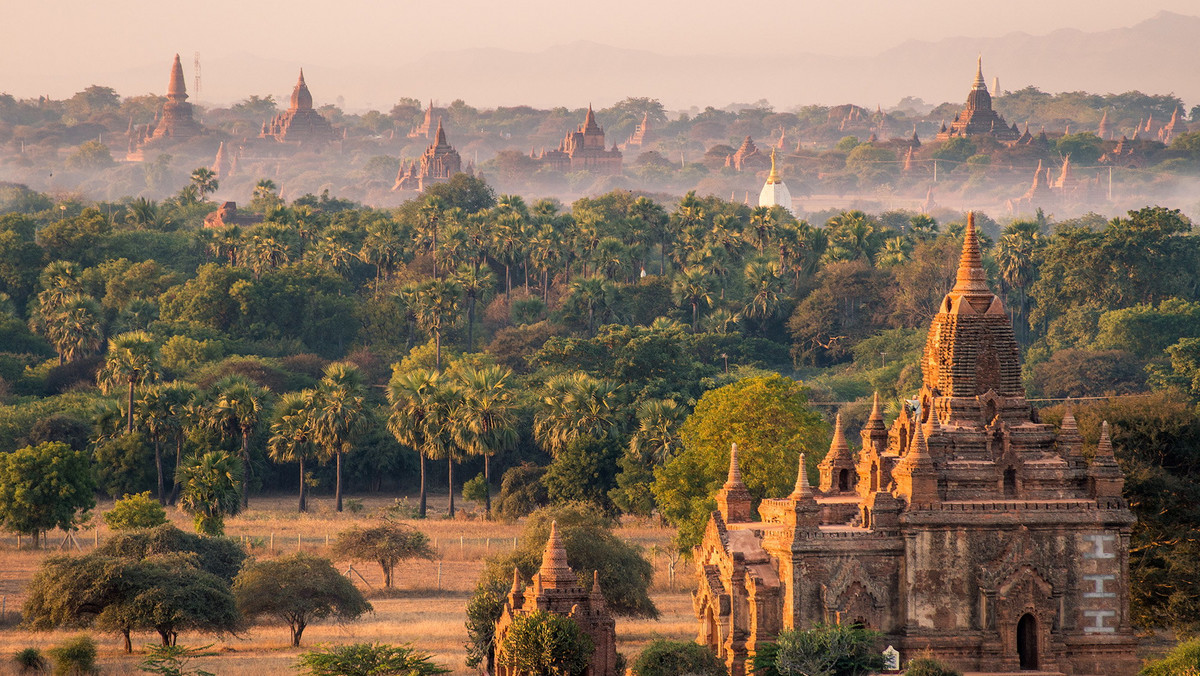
pixel 427 607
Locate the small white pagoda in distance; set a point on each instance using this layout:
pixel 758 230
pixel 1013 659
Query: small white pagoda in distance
pixel 775 192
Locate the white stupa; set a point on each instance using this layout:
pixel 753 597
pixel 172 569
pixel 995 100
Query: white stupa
pixel 775 192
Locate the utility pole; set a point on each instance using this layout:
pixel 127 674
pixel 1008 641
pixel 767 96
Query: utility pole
pixel 196 70
pixel 935 170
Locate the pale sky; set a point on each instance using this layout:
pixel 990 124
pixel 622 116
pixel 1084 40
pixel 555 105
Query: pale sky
pixel 57 47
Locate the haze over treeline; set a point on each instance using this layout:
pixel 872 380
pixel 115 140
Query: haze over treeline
pixel 565 56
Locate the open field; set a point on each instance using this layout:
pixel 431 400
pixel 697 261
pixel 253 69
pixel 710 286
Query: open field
pixel 418 611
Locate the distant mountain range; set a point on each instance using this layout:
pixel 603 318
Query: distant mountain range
pixel 1155 56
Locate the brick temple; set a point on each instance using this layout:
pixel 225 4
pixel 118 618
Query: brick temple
pixel 438 163
pixel 978 118
pixel 968 528
pixel 556 589
pixel 583 150
pixel 299 124
pixel 173 122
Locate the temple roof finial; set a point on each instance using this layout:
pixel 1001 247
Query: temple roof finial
pixel 176 88
pixel 979 81
pixel 971 278
pixel 773 177
pixel 555 573
pixel 735 472
pixel 803 488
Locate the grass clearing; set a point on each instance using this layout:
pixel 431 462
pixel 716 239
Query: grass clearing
pixel 416 611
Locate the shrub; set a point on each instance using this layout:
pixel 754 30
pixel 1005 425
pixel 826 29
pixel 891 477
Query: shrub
pixel 1183 660
pixel 545 643
pixel 521 492
pixel 669 658
pixel 172 660
pixel 75 657
pixel 475 489
pixel 387 544
pixel 368 659
pixel 135 511
pixel 836 650
pixel 928 666
pixel 31 661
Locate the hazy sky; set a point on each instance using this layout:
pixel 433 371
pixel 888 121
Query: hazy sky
pixel 58 47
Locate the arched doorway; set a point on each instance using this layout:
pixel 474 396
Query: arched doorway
pixel 843 480
pixel 1010 482
pixel 1027 642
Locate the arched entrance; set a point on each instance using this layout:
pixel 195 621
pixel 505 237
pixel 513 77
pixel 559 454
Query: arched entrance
pixel 1027 642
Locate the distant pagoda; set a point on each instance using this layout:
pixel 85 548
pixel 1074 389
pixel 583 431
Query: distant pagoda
pixel 300 123
pixel 978 118
pixel 775 192
pixel 174 121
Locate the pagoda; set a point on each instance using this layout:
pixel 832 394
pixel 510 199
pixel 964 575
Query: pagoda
pixel 173 122
pixel 299 123
pixel 775 192
pixel 555 589
pixel 439 162
pixel 978 118
pixel 968 529
pixel 584 150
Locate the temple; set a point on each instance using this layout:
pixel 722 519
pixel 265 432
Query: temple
pixel 173 121
pixel 439 162
pixel 978 118
pixel 555 589
pixel 583 150
pixel 641 136
pixel 426 128
pixel 967 528
pixel 299 123
pixel 747 157
pixel 775 191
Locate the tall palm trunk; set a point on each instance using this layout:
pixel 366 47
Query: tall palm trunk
pixel 303 496
pixel 337 491
pixel 129 429
pixel 450 479
pixel 178 459
pixel 245 470
pixel 471 324
pixel 162 485
pixel 487 486
pixel 421 508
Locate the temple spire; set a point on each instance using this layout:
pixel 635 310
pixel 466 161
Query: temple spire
pixel 176 91
pixel 439 138
pixel 773 177
pixel 803 488
pixel 979 83
pixel 555 573
pixel 971 279
pixel 735 472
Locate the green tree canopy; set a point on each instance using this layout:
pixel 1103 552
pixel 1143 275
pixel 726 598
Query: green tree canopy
pixel 43 487
pixel 768 418
pixel 298 590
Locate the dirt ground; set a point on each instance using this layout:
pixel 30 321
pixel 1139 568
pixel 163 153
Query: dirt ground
pixel 427 607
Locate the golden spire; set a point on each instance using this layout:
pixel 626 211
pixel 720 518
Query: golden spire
pixel 979 81
pixel 971 279
pixel 773 177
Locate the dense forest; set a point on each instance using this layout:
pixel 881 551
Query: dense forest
pixel 559 350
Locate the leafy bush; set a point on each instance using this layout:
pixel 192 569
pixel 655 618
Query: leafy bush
pixel 475 489
pixel 669 658
pixel 135 511
pixel 219 556
pixel 172 660
pixel 827 650
pixel 928 666
pixel 545 643
pixel 75 657
pixel 368 659
pixel 1183 660
pixel 31 661
pixel 521 491
pixel 298 590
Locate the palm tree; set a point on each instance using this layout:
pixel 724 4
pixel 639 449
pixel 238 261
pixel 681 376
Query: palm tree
pixel 434 304
pixel 653 220
pixel 477 283
pixel 486 418
pixel 762 227
pixel 1016 255
pixel 211 483
pixel 132 360
pixel 383 247
pixel 656 439
pixel 339 415
pixel 237 410
pixel 692 287
pixel 574 406
pixel 439 430
pixel 154 412
pixel 764 287
pixel 592 293
pixel 291 434
pixel 205 182
pixel 72 326
pixel 181 401
pixel 412 401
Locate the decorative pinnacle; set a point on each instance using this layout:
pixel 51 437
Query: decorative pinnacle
pixel 876 414
pixel 1105 447
pixel 971 279
pixel 516 585
pixel 773 177
pixel 979 81
pixel 1068 419
pixel 838 446
pixel 555 573
pixel 176 90
pixel 803 489
pixel 735 472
